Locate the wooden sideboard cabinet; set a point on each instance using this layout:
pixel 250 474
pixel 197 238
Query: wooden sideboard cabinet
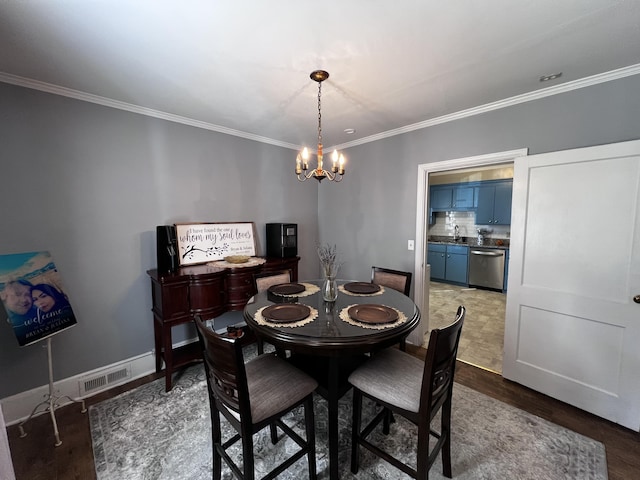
pixel 199 289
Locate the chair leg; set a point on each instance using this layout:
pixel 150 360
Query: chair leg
pixel 247 456
pixel 274 433
pixel 355 430
pixel 260 346
pixel 386 423
pixel 445 431
pixel 422 467
pixel 216 438
pixel 310 428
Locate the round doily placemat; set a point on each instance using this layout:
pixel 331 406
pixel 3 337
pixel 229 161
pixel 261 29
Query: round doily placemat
pixel 260 320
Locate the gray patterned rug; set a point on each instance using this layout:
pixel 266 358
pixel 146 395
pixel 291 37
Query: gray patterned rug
pixel 149 434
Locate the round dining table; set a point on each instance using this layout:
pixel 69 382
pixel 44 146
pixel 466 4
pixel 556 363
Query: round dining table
pixel 335 337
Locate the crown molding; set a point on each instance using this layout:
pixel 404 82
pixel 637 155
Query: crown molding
pixel 504 103
pixel 129 107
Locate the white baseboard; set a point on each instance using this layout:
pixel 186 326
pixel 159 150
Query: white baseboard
pixel 17 408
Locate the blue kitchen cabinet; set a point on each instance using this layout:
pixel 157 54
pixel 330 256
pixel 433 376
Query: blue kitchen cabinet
pixel 449 263
pixel 440 200
pixel 441 197
pixel 494 203
pixel 502 206
pixel 451 197
pixel 462 198
pixel 436 257
pixel 457 264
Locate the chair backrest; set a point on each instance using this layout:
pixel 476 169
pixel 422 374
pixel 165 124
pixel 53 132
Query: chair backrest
pixel 226 374
pixel 400 281
pixel 262 281
pixel 440 364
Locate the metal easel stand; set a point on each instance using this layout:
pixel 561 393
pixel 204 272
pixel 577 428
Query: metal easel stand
pixel 51 402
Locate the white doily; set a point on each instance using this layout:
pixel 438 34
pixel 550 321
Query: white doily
pixel 260 320
pixel 344 315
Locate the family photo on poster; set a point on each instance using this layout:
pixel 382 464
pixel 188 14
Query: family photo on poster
pixel 33 297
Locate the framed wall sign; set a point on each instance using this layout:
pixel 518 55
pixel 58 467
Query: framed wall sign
pixel 207 242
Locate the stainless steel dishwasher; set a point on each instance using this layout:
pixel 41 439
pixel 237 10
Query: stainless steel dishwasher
pixel 486 268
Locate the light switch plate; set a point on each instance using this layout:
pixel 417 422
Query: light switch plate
pixel 410 245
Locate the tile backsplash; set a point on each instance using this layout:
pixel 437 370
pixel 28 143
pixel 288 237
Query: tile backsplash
pixel 466 222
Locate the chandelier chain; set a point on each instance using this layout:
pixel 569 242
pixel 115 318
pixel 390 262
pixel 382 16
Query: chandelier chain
pixel 319 114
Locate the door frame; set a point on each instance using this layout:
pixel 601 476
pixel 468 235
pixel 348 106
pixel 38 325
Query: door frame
pixel 422 209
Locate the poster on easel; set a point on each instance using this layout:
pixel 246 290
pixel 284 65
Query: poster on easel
pixel 33 296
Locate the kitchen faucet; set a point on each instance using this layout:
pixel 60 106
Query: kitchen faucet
pixel 456 232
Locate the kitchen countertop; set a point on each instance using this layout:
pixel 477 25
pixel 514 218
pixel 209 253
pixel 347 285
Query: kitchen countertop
pixel 470 242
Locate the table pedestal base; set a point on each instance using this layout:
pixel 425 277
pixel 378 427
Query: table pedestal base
pixel 332 375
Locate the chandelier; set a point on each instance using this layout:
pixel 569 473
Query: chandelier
pixel 302 160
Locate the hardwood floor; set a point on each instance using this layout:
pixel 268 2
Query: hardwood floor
pixel 35 457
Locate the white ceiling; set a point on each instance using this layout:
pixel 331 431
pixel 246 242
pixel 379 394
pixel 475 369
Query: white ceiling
pixel 242 66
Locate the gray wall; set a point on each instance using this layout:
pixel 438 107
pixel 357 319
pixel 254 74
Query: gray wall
pixel 372 213
pixel 90 183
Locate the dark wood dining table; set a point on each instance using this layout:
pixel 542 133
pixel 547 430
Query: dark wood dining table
pixel 330 347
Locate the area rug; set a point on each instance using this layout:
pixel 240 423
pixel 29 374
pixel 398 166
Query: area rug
pixel 150 434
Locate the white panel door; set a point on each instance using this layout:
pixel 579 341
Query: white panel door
pixel 572 327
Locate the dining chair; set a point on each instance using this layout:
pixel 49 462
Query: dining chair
pixel 263 280
pixel 396 279
pixel 251 396
pixel 414 389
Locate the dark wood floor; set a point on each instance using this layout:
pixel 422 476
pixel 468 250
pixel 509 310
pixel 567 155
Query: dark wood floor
pixel 35 457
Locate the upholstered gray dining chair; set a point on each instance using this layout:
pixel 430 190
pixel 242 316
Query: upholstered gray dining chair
pixel 252 396
pixel 396 279
pixel 416 390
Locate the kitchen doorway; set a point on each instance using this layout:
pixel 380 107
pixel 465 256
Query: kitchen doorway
pixel 482 339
